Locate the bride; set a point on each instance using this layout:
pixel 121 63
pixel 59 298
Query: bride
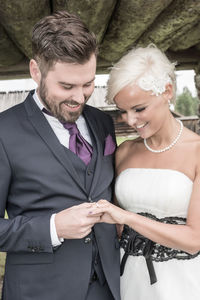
pixel 157 185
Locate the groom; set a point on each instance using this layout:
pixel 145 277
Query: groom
pixel 56 161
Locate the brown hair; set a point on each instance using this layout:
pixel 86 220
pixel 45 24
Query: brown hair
pixel 62 37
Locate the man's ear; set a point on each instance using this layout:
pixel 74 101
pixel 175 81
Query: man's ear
pixel 35 71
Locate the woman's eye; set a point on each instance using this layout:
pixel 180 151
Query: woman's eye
pixel 140 109
pixel 122 112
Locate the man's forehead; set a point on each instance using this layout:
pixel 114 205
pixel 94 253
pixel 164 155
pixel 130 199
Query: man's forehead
pixel 71 73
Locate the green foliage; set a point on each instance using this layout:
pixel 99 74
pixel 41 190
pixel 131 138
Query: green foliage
pixel 121 139
pixel 186 104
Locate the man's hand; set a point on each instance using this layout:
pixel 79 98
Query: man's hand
pixel 75 222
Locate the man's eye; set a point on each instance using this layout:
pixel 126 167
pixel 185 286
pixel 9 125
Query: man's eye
pixel 67 87
pixel 88 84
pixel 140 109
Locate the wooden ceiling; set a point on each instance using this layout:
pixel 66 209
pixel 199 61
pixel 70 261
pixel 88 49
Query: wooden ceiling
pixel 173 25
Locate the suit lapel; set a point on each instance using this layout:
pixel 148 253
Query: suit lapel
pixel 44 130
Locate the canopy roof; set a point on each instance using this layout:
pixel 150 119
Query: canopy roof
pixel 173 25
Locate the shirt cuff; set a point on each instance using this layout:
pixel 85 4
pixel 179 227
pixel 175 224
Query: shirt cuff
pixel 55 241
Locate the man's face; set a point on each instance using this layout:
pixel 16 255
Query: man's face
pixel 66 89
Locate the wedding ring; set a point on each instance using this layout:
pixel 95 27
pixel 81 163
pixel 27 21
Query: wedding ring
pixel 97 205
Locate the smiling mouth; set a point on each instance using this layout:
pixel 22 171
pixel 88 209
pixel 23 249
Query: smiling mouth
pixel 141 126
pixel 72 105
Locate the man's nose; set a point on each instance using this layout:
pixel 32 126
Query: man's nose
pixel 78 96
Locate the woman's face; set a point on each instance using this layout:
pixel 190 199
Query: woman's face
pixel 141 110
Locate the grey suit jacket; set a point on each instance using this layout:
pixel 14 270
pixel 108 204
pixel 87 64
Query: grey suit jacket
pixel 37 178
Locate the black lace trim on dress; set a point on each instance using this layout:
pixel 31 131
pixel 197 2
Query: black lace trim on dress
pixel 136 244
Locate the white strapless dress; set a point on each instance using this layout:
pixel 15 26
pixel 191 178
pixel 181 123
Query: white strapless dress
pixel 162 193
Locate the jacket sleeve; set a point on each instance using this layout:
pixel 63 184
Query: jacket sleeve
pixel 19 233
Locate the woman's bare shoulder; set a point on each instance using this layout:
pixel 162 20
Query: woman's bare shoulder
pixel 191 134
pixel 195 140
pixel 192 146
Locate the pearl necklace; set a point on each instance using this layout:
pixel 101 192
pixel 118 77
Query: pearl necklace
pixel 168 147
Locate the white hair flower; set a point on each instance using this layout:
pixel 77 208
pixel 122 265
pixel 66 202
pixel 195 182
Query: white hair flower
pixel 156 85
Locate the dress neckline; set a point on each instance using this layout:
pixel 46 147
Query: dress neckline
pixel 158 169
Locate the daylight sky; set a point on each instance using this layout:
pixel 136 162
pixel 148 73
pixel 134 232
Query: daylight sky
pixel 184 78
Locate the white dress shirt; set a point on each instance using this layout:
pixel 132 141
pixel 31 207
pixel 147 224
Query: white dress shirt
pixel 63 136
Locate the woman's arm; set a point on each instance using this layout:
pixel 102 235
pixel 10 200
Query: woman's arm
pixel 184 237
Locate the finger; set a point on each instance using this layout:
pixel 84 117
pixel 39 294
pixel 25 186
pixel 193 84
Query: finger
pixel 92 215
pixel 104 219
pixel 93 220
pixel 95 205
pixel 95 211
pixel 85 205
pixel 103 202
pixel 86 232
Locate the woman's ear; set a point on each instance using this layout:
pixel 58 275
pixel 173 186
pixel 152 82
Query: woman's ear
pixel 35 71
pixel 168 93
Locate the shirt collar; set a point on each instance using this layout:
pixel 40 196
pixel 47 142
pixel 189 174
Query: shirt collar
pixel 37 100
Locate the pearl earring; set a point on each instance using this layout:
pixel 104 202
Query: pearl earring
pixel 169 103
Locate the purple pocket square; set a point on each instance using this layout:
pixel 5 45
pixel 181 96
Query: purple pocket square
pixel 110 145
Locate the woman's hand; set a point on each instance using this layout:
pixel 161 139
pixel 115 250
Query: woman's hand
pixel 112 214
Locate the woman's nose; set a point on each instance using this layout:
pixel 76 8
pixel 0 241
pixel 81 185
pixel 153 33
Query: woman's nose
pixel 131 119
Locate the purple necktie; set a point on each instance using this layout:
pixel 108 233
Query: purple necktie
pixel 78 144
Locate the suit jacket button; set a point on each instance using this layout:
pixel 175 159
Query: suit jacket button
pixel 87 240
pixel 89 172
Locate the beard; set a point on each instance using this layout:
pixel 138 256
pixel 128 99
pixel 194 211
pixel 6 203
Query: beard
pixel 56 107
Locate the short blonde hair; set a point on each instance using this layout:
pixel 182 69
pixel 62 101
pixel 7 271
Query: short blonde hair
pixel 140 65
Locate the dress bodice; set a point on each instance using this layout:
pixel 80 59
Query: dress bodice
pixel 161 192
